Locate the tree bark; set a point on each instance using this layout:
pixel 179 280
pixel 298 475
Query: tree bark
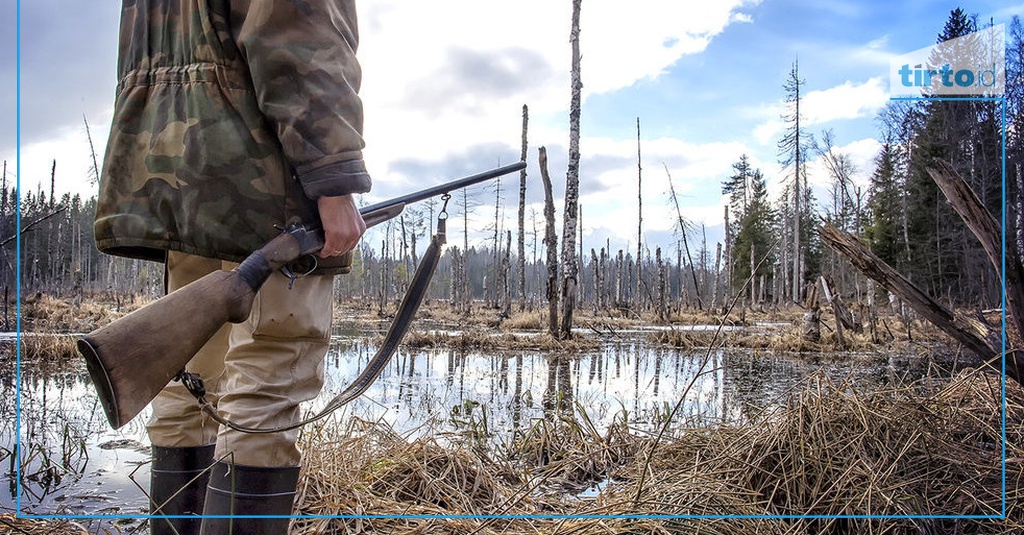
pixel 551 243
pixel 572 182
pixel 522 216
pixel 639 220
pixel 810 325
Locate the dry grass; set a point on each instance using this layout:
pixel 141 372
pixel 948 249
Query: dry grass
pixel 831 451
pixel 47 353
pixel 45 313
pixel 480 339
pixel 9 523
pixel 788 338
pixel 529 320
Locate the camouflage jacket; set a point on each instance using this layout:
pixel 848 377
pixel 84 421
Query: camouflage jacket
pixel 231 117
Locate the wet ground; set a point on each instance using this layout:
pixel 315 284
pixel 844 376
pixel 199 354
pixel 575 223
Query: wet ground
pixel 73 464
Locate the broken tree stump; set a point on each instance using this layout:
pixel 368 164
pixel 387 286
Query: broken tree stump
pixel 810 326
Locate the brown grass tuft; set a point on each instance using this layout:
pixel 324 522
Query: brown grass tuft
pixel 830 451
pixel 10 523
pixel 46 313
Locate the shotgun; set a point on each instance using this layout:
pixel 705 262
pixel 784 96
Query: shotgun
pixel 133 358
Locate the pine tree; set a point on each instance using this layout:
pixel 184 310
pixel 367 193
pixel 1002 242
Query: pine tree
pixel 737 186
pixel 944 257
pixel 755 223
pixel 792 148
pixel 883 230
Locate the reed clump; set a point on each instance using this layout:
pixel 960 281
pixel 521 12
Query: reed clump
pixel 40 352
pixel 830 450
pixel 45 350
pixel 784 339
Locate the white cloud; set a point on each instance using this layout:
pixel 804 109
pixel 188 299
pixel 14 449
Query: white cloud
pixel 434 82
pixel 845 101
pixel 627 42
pixel 875 52
pixel 696 169
pixel 69 146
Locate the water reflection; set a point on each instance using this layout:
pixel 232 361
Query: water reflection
pixel 73 463
pixel 452 391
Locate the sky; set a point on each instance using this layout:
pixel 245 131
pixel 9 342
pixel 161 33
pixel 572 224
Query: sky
pixel 444 84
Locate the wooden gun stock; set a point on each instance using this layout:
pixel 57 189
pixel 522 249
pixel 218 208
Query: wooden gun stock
pixel 133 358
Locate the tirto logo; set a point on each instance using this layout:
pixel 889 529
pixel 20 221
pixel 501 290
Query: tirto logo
pixel 970 65
pixel 918 76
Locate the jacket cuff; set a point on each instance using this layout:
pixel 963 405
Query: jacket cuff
pixel 336 179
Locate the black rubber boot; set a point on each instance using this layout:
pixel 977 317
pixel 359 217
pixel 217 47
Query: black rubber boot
pixel 177 486
pixel 236 490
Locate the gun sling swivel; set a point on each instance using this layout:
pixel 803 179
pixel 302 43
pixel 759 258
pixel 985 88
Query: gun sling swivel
pixel 406 312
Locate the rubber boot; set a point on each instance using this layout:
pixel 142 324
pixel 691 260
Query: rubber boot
pixel 236 491
pixel 177 486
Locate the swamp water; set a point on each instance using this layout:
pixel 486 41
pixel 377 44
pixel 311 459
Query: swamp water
pixel 73 464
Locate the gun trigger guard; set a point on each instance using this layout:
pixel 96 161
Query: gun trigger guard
pixel 290 270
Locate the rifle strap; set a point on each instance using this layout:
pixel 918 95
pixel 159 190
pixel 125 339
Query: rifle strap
pixel 403 319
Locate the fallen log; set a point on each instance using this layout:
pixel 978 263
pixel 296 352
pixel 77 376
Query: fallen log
pixel 973 334
pixel 966 204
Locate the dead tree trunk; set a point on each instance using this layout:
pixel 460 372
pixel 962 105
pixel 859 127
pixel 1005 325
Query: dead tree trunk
pixel 836 311
pixel 639 221
pixel 810 325
pixel 686 245
pixel 572 181
pixel 659 305
pixel 620 280
pixel 842 313
pixel 551 243
pixel 506 286
pixel 718 276
pixel 522 217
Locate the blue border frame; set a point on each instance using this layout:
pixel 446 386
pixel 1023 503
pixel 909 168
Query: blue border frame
pixel 17 447
pixel 17 257
pixel 1002 378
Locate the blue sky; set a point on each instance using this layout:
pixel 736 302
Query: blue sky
pixel 444 93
